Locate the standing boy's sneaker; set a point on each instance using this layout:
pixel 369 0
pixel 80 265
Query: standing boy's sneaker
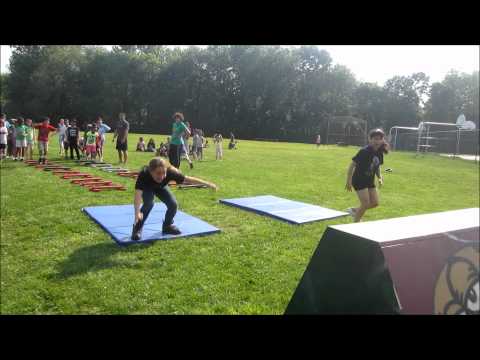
pixel 171 229
pixel 136 232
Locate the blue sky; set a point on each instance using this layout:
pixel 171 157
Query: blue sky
pixel 378 63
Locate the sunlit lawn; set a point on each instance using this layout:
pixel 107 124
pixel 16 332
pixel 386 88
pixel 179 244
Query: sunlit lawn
pixel 55 260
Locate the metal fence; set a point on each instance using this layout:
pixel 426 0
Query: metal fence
pixel 442 142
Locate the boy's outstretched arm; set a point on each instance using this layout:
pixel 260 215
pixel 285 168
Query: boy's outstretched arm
pixel 197 181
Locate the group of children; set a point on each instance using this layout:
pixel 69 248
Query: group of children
pixel 16 138
pixel 90 145
pixel 150 146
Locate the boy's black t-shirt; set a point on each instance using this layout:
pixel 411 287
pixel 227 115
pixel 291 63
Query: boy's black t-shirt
pixel 368 161
pixel 72 132
pixel 145 181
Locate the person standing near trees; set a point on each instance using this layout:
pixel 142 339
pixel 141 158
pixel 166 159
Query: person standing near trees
pixel 176 141
pixel 102 129
pixel 62 130
pixel 20 139
pixel 11 139
pixel 44 129
pixel 197 146
pixel 30 139
pixel 3 137
pixel 186 146
pixel 73 135
pixel 218 140
pixel 91 143
pixel 121 133
pixel 318 140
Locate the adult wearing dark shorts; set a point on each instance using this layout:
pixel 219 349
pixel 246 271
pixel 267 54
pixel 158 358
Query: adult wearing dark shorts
pixel 121 134
pixel 153 181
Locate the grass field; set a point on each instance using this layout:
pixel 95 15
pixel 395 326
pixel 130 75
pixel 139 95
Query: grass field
pixel 55 260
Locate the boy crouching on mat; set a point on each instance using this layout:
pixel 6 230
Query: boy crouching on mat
pixel 153 181
pixel 361 173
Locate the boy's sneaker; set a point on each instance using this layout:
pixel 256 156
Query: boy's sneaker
pixel 351 211
pixel 171 229
pixel 136 232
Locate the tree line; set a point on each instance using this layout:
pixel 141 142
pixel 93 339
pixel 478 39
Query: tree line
pixel 253 91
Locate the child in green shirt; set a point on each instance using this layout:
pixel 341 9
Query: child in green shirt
pixel 30 139
pixel 91 143
pixel 21 139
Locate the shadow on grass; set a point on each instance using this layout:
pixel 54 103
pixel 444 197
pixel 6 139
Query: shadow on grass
pixel 94 258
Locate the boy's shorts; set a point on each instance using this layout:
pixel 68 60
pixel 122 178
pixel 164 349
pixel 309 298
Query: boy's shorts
pixel 21 143
pixel 30 142
pixel 360 184
pixel 91 149
pixel 42 146
pixel 3 146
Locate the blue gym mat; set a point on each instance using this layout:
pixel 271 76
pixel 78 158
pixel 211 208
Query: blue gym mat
pixel 117 220
pixel 294 212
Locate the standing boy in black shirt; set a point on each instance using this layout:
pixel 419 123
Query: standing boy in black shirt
pixel 153 180
pixel 72 139
pixel 361 173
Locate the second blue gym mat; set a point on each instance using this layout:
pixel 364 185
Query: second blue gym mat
pixel 117 220
pixel 294 212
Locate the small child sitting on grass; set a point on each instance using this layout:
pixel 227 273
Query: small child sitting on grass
pixel 141 144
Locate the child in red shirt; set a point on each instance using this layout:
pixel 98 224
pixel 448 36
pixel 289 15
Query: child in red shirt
pixel 44 130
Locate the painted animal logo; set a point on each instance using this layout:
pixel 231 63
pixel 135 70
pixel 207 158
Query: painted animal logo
pixel 457 290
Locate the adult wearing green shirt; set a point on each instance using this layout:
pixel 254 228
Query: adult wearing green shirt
pixel 21 139
pixel 176 142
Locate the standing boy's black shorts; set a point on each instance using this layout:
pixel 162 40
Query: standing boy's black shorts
pixel 3 146
pixel 122 146
pixel 363 183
